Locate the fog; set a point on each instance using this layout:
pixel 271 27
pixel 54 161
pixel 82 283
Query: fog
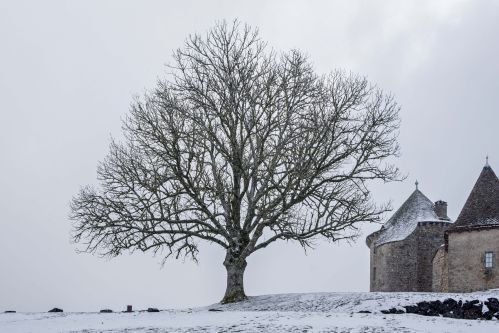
pixel 69 70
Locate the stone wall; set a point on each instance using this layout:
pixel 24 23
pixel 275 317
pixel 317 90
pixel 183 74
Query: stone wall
pixel 430 237
pixel 393 266
pixel 440 280
pixel 466 256
pixel 407 265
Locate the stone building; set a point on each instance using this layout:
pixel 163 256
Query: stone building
pixel 420 249
pixel 467 260
pixel 403 249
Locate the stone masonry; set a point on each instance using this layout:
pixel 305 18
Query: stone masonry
pixel 419 249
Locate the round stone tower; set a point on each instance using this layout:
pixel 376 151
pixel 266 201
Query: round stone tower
pixel 401 252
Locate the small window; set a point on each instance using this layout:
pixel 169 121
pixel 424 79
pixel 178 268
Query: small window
pixel 374 273
pixel 489 259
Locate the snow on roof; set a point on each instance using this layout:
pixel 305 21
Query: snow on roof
pixel 417 208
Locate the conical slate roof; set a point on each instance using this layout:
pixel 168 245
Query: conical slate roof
pixel 482 206
pixel 417 208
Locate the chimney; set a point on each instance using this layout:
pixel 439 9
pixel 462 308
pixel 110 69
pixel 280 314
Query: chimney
pixel 441 209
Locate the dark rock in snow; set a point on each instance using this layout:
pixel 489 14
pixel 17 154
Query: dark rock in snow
pixel 411 309
pixel 392 311
pixel 106 311
pixel 458 313
pixel 472 310
pixel 431 313
pixel 428 308
pixel 56 310
pixel 450 315
pixel 10 311
pixel 488 315
pixel 492 304
pixel 152 310
pixel 449 305
pixel 424 305
pixel 433 308
pixel 450 308
pixel 470 304
pixel 364 311
pixel 423 308
pixel 215 310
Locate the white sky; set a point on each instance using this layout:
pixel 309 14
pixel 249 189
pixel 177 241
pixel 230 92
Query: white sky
pixel 69 70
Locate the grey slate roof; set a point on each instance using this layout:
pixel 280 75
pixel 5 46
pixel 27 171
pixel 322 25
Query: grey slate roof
pixel 417 208
pixel 482 205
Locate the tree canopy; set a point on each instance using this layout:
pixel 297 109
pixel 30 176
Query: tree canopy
pixel 240 146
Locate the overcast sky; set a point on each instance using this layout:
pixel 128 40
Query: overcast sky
pixel 69 70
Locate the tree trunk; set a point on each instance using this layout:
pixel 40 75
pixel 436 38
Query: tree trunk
pixel 235 284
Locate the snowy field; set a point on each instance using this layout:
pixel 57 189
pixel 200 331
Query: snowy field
pixel 318 312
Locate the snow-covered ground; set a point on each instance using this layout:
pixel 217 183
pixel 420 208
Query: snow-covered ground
pixel 317 312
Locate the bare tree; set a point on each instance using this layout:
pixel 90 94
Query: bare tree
pixel 240 147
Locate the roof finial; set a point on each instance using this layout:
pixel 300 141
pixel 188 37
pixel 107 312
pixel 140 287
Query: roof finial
pixel 487 161
pixel 416 183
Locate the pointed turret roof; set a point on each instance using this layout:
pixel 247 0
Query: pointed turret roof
pixel 417 208
pixel 482 206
